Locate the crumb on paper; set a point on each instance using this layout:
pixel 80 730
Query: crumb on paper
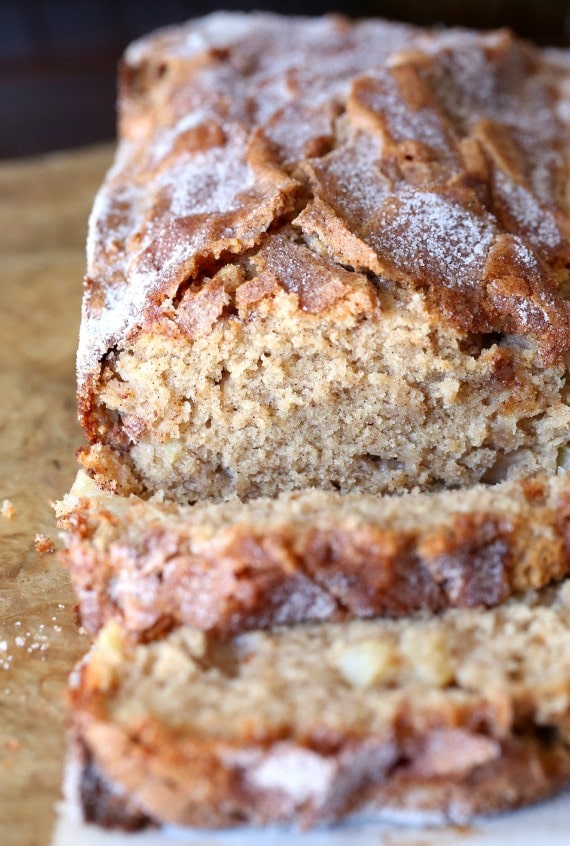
pixel 44 544
pixel 7 509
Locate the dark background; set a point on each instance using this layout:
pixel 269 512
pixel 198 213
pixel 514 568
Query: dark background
pixel 58 57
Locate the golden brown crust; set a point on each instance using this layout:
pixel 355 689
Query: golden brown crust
pixel 313 556
pixel 527 771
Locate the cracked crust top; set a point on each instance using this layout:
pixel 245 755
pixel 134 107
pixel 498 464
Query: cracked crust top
pixel 291 149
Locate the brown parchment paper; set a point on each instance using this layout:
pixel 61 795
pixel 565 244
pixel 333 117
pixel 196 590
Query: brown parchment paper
pixel 44 205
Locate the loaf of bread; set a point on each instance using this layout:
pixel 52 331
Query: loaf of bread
pixel 328 255
pixel 312 555
pixel 443 717
pixel 323 374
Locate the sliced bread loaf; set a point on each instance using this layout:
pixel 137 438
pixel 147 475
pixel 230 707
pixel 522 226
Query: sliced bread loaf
pixel 329 263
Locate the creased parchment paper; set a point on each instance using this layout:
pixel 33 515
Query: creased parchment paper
pixel 43 211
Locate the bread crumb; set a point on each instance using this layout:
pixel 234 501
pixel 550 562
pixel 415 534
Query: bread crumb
pixel 44 544
pixel 7 509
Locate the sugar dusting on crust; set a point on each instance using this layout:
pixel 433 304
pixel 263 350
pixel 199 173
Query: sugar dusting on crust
pixel 427 235
pixel 538 224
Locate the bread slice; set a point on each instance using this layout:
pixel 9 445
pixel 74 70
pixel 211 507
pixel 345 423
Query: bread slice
pixel 442 717
pixel 328 255
pixel 312 555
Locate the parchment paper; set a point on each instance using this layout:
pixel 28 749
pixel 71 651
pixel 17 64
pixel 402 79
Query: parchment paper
pixel 43 210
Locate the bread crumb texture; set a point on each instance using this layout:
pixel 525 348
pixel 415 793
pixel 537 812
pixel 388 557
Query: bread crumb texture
pixel 329 255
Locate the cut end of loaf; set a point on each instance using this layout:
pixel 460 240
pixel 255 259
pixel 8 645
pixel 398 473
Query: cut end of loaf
pixel 347 271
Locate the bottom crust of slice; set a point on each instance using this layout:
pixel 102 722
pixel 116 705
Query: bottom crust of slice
pixel 101 802
pixel 529 769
